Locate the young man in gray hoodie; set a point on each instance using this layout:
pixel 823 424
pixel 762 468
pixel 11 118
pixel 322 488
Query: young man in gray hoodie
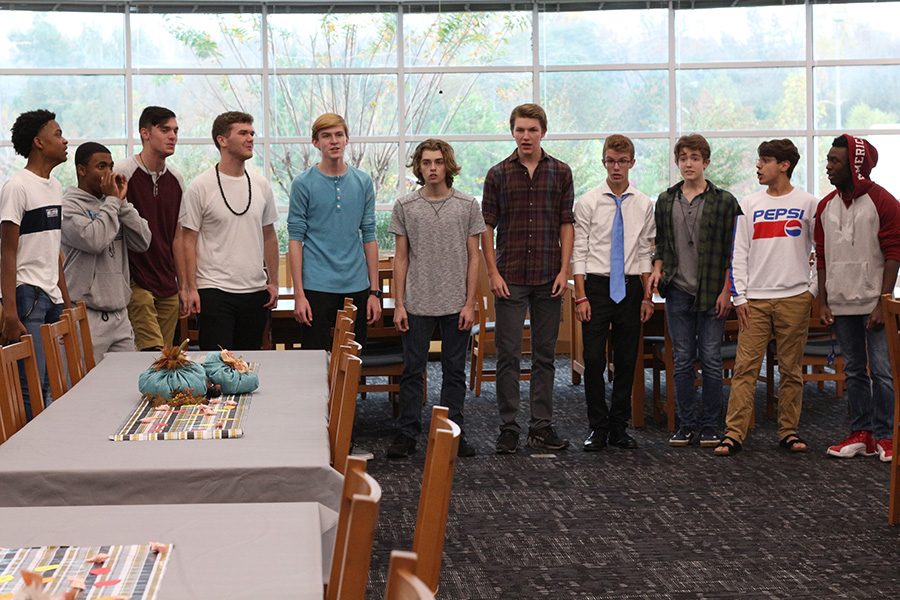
pixel 99 227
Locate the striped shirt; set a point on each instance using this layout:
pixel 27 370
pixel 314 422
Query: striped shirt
pixel 527 213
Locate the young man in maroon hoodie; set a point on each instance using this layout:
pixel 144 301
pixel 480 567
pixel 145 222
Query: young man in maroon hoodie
pixel 858 252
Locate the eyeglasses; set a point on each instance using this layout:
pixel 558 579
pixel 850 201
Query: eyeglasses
pixel 611 162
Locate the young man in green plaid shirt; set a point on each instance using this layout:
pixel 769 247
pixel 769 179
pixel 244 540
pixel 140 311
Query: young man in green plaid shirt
pixel 694 229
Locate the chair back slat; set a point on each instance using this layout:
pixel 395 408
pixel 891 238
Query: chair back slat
pixel 343 326
pixel 79 317
pixel 58 337
pixel 12 402
pixel 357 517
pixel 342 408
pixel 402 582
pixel 434 500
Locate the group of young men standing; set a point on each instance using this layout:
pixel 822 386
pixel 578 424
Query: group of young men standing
pixel 139 248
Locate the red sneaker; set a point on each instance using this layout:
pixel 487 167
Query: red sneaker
pixel 885 449
pixel 858 442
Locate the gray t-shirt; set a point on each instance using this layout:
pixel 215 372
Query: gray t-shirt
pixel 438 258
pixel 686 225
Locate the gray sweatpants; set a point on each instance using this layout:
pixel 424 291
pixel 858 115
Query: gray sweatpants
pixel 110 332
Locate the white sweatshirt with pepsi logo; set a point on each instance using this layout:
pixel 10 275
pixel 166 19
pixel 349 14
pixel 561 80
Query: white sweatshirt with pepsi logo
pixel 773 241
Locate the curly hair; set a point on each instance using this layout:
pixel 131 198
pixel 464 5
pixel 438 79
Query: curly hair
pixel 446 151
pixel 27 127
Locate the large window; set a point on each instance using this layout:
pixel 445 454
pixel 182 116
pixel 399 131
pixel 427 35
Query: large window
pixel 737 75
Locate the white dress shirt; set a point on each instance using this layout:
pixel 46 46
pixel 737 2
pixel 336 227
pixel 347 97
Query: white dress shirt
pixel 594 215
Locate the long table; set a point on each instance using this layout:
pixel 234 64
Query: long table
pixel 64 456
pixel 220 550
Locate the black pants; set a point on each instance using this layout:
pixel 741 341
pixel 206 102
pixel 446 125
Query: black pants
pixel 325 306
pixel 625 318
pixel 232 321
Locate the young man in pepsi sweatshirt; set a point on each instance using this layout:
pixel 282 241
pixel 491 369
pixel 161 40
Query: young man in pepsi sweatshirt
pixel 857 253
pixel 773 288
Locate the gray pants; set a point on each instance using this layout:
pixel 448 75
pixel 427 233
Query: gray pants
pixel 110 333
pixel 545 314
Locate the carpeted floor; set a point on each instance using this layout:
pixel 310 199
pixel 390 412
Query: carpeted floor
pixel 656 522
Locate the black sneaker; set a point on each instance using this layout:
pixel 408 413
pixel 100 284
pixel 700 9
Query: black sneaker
pixel 709 438
pixel 401 447
pixel 465 450
pixel 546 439
pixel 508 442
pixel 683 437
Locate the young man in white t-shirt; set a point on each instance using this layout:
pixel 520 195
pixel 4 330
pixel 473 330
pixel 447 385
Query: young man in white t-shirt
pixel 773 289
pixel 32 284
pixel 230 246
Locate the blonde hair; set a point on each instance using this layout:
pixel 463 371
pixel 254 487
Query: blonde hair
pixel 446 151
pixel 327 121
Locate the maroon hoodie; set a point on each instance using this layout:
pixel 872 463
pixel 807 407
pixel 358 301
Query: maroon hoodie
pixel 856 235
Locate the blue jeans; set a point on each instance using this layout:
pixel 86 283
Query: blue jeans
pixel 871 399
pixel 415 357
pixel 36 308
pixel 695 332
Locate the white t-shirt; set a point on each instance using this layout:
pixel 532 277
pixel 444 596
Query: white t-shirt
pixel 229 247
pixel 35 205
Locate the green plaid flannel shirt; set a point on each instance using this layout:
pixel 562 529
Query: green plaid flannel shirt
pixel 720 209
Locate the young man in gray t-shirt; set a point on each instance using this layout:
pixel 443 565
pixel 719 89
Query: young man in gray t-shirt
pixel 435 277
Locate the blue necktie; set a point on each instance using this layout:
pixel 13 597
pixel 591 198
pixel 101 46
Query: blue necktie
pixel 617 255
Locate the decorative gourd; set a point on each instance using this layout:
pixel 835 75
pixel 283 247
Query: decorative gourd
pixel 230 372
pixel 173 379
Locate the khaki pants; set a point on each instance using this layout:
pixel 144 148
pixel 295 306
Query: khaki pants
pixel 154 318
pixel 788 319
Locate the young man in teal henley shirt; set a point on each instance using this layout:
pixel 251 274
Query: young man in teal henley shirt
pixel 332 248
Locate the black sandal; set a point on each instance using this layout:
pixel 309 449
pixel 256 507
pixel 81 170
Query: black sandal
pixel 790 441
pixel 732 444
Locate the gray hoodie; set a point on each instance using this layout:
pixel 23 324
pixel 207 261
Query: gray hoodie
pixel 95 234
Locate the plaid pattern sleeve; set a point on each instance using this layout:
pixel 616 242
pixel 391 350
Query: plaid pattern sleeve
pixel 133 571
pixel 527 213
pixel 720 210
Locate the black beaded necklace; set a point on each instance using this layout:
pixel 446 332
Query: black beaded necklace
pixel 249 193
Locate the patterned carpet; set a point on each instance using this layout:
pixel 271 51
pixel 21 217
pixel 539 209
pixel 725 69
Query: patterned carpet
pixel 656 522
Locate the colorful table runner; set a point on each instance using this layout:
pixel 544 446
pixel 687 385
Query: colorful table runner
pixel 133 571
pixel 194 422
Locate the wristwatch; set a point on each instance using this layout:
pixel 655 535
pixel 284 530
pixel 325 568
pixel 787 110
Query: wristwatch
pixel 376 293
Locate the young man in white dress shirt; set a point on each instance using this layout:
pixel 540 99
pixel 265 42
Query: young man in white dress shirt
pixel 614 233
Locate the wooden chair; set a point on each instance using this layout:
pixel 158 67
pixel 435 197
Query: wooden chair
pixel 342 403
pixel 53 334
pixel 482 336
pixel 355 532
pixel 342 327
pixel 402 583
pixel 79 317
pixel 12 403
pixel 434 500
pixel 891 311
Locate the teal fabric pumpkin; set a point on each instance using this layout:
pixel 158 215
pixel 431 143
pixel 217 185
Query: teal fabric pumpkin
pixel 230 380
pixel 167 382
